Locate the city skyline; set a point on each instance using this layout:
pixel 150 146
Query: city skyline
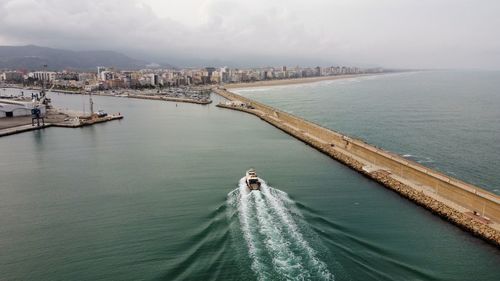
pixel 106 78
pixel 390 34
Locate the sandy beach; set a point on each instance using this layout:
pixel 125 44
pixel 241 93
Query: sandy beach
pixel 293 81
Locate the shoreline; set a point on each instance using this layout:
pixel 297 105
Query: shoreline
pixel 293 81
pixel 471 208
pixel 154 97
pixel 55 118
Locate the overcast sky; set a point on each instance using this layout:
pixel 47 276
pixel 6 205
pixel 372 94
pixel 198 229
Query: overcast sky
pixel 389 33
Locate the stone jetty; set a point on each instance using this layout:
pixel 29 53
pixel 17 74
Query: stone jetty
pixel 469 207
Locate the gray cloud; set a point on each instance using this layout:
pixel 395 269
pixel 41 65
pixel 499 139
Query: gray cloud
pixel 392 33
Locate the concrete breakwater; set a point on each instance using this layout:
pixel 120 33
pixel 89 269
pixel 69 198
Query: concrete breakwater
pixel 467 206
pixel 154 97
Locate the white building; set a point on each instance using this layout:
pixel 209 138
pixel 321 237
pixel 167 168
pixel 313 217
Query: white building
pixel 12 108
pixel 106 75
pixel 44 75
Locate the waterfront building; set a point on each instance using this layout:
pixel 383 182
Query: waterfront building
pixel 317 71
pixel 66 75
pixel 100 69
pixel 215 78
pixel 86 76
pixel 106 75
pixel 269 75
pixel 116 83
pixel 44 75
pixel 91 87
pixel 153 79
pixel 14 108
pixel 12 76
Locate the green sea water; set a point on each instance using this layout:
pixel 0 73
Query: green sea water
pixel 157 196
pixel 446 120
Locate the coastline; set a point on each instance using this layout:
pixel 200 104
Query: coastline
pixel 471 208
pixel 292 81
pixel 185 100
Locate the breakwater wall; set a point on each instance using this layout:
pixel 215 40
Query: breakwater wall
pixel 469 207
pixel 185 100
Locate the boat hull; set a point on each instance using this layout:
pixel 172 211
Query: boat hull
pixel 253 186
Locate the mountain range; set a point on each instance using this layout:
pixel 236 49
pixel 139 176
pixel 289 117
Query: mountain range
pixel 31 57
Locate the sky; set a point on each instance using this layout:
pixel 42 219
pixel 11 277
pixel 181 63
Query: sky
pixel 458 34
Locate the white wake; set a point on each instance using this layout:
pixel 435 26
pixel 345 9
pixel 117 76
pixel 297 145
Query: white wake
pixel 276 246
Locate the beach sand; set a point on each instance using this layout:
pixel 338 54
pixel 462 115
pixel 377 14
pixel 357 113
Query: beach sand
pixel 292 81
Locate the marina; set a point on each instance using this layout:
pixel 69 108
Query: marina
pixel 19 114
pixel 57 117
pixel 197 95
pixel 187 95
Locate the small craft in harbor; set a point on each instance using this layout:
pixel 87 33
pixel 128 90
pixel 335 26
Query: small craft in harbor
pixel 252 181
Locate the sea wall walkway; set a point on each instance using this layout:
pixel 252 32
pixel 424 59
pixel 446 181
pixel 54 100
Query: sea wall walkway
pixel 469 207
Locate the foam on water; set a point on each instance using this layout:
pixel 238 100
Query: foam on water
pixel 276 246
pixel 240 199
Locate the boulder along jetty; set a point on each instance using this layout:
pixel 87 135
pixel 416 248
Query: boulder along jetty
pixel 467 206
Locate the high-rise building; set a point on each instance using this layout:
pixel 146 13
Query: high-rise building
pixel 317 71
pixel 100 69
pixel 106 75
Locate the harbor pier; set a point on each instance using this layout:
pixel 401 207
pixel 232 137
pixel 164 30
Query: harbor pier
pixel 54 121
pixel 467 206
pixel 165 98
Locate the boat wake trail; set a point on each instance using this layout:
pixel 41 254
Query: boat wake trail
pixel 277 248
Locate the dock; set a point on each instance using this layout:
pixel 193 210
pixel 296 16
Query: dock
pixel 88 122
pixel 22 129
pixel 469 207
pixel 63 124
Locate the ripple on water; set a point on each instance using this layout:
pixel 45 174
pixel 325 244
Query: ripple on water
pixel 276 244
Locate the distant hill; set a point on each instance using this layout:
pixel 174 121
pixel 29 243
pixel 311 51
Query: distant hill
pixel 33 57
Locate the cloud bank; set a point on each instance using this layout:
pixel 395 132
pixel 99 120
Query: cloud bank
pixel 390 33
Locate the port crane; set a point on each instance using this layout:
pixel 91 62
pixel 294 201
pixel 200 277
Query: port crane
pixel 36 112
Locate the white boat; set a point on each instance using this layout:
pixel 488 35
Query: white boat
pixel 252 181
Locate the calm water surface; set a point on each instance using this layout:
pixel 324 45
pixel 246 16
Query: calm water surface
pixel 447 120
pixel 157 196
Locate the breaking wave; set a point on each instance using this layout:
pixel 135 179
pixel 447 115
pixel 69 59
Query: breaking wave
pixel 276 245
